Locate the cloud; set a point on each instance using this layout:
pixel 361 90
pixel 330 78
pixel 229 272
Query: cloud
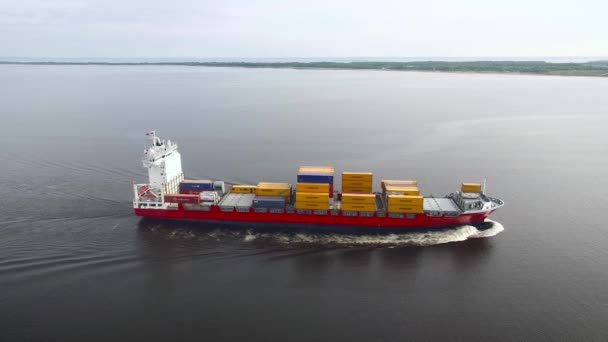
pixel 238 28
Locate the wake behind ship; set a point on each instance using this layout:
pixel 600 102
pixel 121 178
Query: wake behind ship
pixel 314 203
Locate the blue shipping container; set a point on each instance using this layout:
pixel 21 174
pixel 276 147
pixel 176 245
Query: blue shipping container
pixel 315 177
pixel 272 202
pixel 196 185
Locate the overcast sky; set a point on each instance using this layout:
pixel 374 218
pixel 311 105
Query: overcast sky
pixel 306 28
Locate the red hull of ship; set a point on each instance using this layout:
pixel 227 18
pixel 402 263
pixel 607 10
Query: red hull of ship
pixel 216 214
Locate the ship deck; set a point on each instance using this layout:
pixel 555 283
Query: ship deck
pixel 437 206
pixel 237 200
pixel 443 205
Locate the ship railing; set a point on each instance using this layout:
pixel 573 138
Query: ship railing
pixel 154 154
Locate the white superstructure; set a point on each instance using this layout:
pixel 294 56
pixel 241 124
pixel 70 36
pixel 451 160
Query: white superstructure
pixel 164 165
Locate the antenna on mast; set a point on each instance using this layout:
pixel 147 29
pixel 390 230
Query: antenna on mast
pixel 484 186
pixel 153 138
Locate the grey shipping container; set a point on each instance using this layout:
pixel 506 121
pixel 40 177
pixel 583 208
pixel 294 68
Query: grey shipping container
pixel 269 202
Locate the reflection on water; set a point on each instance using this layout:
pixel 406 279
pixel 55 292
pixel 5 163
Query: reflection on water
pixel 308 260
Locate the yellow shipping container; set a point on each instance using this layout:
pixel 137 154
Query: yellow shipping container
pixel 358 176
pixel 405 193
pixel 398 190
pixel 358 206
pixel 412 204
pixel 406 209
pixel 359 198
pixel 396 182
pixel 356 190
pixel 330 169
pixel 395 205
pixel 243 189
pixel 273 192
pixel 313 187
pixel 405 200
pixel 471 187
pixel 404 182
pixel 312 205
pixel 312 197
pixel 273 185
pixel 356 184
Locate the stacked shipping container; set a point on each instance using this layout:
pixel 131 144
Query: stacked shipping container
pixel 405 204
pixel 357 182
pixel 274 189
pixel 359 202
pixel 402 183
pixel 272 195
pixel 192 191
pixel 311 200
pixel 402 190
pixel 402 196
pixel 193 186
pixel 357 190
pixel 315 187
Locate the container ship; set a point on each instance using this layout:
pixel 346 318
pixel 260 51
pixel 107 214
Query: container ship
pixel 314 202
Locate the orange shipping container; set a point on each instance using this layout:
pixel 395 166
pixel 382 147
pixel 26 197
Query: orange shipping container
pixel 356 190
pixel 357 176
pixel 358 207
pixel 312 205
pixel 471 187
pixel 312 187
pixel 273 185
pixel 406 209
pixel 405 200
pixel 356 183
pixel 329 169
pixel 397 190
pixel 397 182
pixel 273 192
pixel 243 189
pixel 312 197
pixel 359 198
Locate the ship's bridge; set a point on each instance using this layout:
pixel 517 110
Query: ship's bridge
pixel 164 165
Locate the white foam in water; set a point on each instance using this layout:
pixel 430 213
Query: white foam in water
pixel 456 234
pixel 249 236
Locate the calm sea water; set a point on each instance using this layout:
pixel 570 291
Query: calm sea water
pixel 76 264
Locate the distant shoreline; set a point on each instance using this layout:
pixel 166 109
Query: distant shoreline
pixel 594 69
